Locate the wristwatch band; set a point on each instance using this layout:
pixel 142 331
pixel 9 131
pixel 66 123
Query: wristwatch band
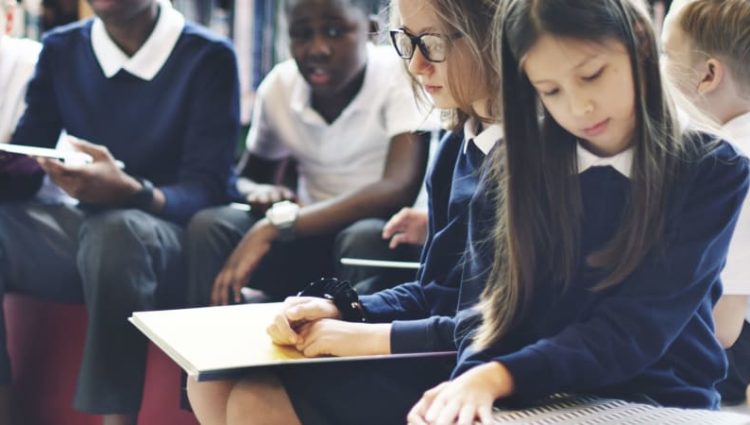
pixel 144 198
pixel 341 293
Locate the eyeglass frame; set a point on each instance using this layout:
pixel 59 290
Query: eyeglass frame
pixel 416 42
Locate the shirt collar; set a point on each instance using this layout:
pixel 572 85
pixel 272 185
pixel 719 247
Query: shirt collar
pixel 151 57
pixel 738 128
pixel 486 139
pixel 622 162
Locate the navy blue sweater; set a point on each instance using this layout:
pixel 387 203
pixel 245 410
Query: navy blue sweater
pixel 422 312
pixel 653 333
pixel 178 130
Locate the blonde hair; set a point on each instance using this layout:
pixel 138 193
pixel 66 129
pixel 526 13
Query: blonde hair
pixel 720 28
pixel 473 21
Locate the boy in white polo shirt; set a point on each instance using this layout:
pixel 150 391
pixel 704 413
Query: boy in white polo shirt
pixel 344 111
pixel 708 48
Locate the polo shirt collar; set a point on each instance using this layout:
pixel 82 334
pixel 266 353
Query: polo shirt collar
pixel 738 128
pixel 486 139
pixel 151 57
pixel 622 162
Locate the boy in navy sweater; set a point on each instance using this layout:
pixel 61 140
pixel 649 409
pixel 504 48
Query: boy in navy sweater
pixel 161 95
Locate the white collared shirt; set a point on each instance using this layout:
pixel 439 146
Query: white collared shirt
pixel 347 154
pixel 485 140
pixel 151 57
pixel 622 162
pixel 736 273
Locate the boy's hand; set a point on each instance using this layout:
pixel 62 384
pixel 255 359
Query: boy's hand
pixel 465 399
pixel 338 338
pixel 100 183
pixel 406 226
pixel 262 196
pixel 246 256
pixel 296 312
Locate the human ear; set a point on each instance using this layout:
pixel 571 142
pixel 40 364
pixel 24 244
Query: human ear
pixel 712 76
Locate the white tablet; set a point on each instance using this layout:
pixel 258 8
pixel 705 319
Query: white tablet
pixel 380 263
pixel 71 158
pixel 68 157
pixel 240 206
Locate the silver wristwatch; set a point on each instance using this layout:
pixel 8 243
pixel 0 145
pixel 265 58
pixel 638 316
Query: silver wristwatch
pixel 283 215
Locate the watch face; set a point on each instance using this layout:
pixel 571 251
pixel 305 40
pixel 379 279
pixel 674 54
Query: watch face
pixel 283 212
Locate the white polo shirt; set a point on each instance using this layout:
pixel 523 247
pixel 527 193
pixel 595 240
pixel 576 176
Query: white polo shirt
pixel 736 274
pixel 17 62
pixel 347 154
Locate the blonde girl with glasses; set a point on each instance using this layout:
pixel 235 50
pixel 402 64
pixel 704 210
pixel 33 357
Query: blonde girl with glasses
pixel 454 68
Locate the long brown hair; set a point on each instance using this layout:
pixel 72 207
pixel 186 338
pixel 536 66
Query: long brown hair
pixel 537 226
pixel 473 20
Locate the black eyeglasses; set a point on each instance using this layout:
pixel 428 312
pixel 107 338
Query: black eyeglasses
pixel 434 47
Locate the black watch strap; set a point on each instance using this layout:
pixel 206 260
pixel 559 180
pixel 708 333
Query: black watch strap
pixel 144 198
pixel 343 295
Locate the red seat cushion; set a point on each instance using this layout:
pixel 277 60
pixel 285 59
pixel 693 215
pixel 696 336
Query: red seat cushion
pixel 45 342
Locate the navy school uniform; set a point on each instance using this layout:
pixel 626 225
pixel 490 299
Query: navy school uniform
pixel 381 392
pixel 171 114
pixel 652 335
pixel 182 140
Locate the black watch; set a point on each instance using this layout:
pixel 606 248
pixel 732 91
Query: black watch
pixel 143 199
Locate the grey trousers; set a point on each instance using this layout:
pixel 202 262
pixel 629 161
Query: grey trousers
pixel 213 234
pixel 117 262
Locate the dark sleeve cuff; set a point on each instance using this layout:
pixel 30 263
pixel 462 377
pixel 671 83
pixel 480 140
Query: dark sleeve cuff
pixel 526 366
pixel 376 310
pixel 405 302
pixel 434 334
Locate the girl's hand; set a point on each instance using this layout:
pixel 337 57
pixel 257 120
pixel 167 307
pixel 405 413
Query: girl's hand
pixel 337 338
pixel 465 399
pixel 297 311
